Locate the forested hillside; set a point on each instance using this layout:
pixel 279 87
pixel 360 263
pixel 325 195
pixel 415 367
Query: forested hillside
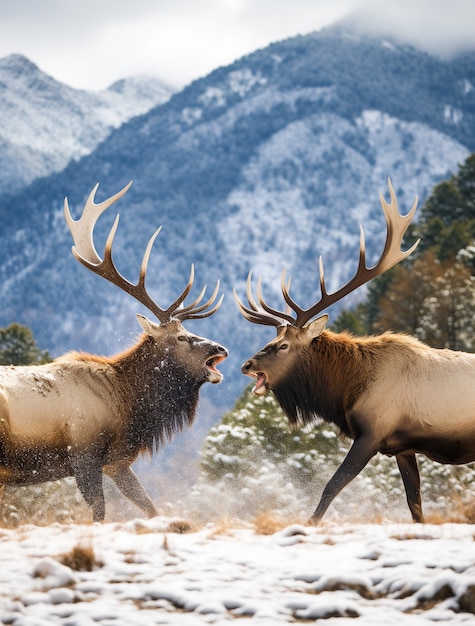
pixel 266 163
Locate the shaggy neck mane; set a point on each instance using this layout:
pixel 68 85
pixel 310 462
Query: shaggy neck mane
pixel 161 395
pixel 326 380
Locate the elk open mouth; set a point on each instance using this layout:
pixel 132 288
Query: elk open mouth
pixel 214 375
pixel 260 387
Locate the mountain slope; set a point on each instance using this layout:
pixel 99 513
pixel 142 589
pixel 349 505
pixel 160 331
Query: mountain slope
pixel 263 164
pixel 46 124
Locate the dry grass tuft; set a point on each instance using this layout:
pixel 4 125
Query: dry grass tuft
pixel 268 523
pixel 459 513
pixel 181 527
pixel 81 558
pixel 225 526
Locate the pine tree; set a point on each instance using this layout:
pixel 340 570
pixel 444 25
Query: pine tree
pixel 18 347
pixel 354 321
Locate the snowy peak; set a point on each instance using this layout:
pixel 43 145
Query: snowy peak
pixel 48 124
pixel 142 87
pixel 17 65
pixel 264 164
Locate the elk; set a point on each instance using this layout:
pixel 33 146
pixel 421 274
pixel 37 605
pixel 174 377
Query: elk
pixel 84 415
pixel 389 393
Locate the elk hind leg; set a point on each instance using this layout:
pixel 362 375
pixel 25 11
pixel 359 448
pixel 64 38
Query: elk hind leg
pixel 407 464
pixel 126 480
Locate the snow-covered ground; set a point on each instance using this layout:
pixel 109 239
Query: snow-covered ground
pixel 228 573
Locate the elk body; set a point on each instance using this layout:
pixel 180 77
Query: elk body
pixel 390 393
pixel 83 415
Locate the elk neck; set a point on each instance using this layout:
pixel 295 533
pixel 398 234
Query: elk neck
pixel 326 381
pixel 161 394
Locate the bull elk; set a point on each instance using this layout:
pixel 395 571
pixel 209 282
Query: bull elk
pixel 389 393
pixel 84 415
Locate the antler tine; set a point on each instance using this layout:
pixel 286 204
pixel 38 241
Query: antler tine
pixel 255 314
pixel 290 302
pixel 107 269
pixel 250 298
pixel 82 229
pixel 268 315
pixel 146 257
pixel 280 315
pixel 174 306
pixel 396 227
pixel 193 311
pixel 85 253
pixel 196 315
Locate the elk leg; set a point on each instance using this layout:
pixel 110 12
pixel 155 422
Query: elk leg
pixel 126 480
pixel 88 475
pixel 362 450
pixel 407 464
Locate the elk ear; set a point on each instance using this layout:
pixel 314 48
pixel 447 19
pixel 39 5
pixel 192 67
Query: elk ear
pixel 316 328
pixel 149 327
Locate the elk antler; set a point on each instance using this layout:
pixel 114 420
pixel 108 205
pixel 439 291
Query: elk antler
pixel 82 231
pixel 392 254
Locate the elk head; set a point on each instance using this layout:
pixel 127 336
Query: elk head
pixel 297 332
pixel 200 355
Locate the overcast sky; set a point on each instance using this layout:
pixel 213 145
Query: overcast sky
pixel 91 43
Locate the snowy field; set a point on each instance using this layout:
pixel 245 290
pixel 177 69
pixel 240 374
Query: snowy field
pixel 144 573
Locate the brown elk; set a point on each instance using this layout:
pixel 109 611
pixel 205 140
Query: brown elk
pixel 389 393
pixel 83 415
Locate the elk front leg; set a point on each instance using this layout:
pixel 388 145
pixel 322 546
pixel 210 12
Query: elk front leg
pixel 362 450
pixel 88 474
pixel 407 464
pixel 126 480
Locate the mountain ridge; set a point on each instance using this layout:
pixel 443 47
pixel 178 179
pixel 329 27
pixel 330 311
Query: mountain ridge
pixel 262 164
pixel 50 124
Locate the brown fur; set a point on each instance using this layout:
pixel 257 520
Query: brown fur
pixel 340 372
pixel 389 393
pixel 84 414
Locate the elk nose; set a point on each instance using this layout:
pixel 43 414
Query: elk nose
pixel 246 367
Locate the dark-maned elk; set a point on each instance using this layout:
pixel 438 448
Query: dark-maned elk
pixel 389 393
pixel 83 415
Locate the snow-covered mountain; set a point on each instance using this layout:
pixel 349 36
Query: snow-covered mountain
pixel 46 124
pixel 266 163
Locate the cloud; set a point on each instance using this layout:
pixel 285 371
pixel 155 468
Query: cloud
pixel 90 44
pixel 441 27
pixel 94 42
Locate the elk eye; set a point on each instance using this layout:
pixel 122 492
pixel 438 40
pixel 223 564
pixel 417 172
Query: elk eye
pixel 182 338
pixel 283 346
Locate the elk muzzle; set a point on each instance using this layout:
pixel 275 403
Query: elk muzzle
pixel 217 354
pixel 248 369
